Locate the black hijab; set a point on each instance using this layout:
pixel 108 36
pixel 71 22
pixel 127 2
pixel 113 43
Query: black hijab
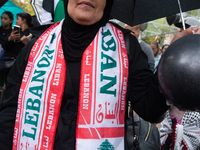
pixel 76 37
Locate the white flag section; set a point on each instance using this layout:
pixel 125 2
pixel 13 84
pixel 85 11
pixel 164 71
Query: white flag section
pixel 43 16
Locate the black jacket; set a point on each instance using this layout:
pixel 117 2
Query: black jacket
pixel 13 48
pixel 4 34
pixel 143 92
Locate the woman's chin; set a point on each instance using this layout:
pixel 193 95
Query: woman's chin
pixel 85 20
pixel 85 17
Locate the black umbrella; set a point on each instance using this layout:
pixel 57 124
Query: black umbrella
pixel 135 12
pixel 132 12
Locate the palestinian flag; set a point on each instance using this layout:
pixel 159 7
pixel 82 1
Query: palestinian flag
pixel 48 11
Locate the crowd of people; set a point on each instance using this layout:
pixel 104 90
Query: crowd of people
pixel 176 118
pixel 72 95
pixel 12 41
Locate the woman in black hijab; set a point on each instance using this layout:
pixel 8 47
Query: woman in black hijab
pixel 82 22
pixel 79 36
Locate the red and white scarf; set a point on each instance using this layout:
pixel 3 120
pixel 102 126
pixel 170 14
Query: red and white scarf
pixel 103 86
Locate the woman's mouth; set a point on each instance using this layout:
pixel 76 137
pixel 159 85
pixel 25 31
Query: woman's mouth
pixel 86 4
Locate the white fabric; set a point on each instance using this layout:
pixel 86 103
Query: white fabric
pixel 42 15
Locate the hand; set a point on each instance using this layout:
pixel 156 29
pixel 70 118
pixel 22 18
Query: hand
pixel 197 32
pixel 193 30
pixel 14 36
pixel 25 39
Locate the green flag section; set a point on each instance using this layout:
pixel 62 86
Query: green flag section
pixel 48 11
pixel 59 11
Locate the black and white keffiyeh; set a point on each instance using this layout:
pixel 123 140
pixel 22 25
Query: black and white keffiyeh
pixel 182 136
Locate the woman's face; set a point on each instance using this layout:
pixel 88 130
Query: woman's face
pixel 86 12
pixel 155 49
pixel 19 21
pixel 5 21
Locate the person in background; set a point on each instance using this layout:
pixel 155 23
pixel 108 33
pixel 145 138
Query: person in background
pixel 5 30
pixel 6 26
pixel 136 31
pixel 180 128
pixel 181 122
pixel 155 48
pixel 24 20
pixel 164 47
pixel 16 41
pixel 175 117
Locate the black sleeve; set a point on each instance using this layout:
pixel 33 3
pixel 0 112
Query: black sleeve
pixel 13 46
pixel 7 45
pixel 12 49
pixel 146 99
pixel 10 98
